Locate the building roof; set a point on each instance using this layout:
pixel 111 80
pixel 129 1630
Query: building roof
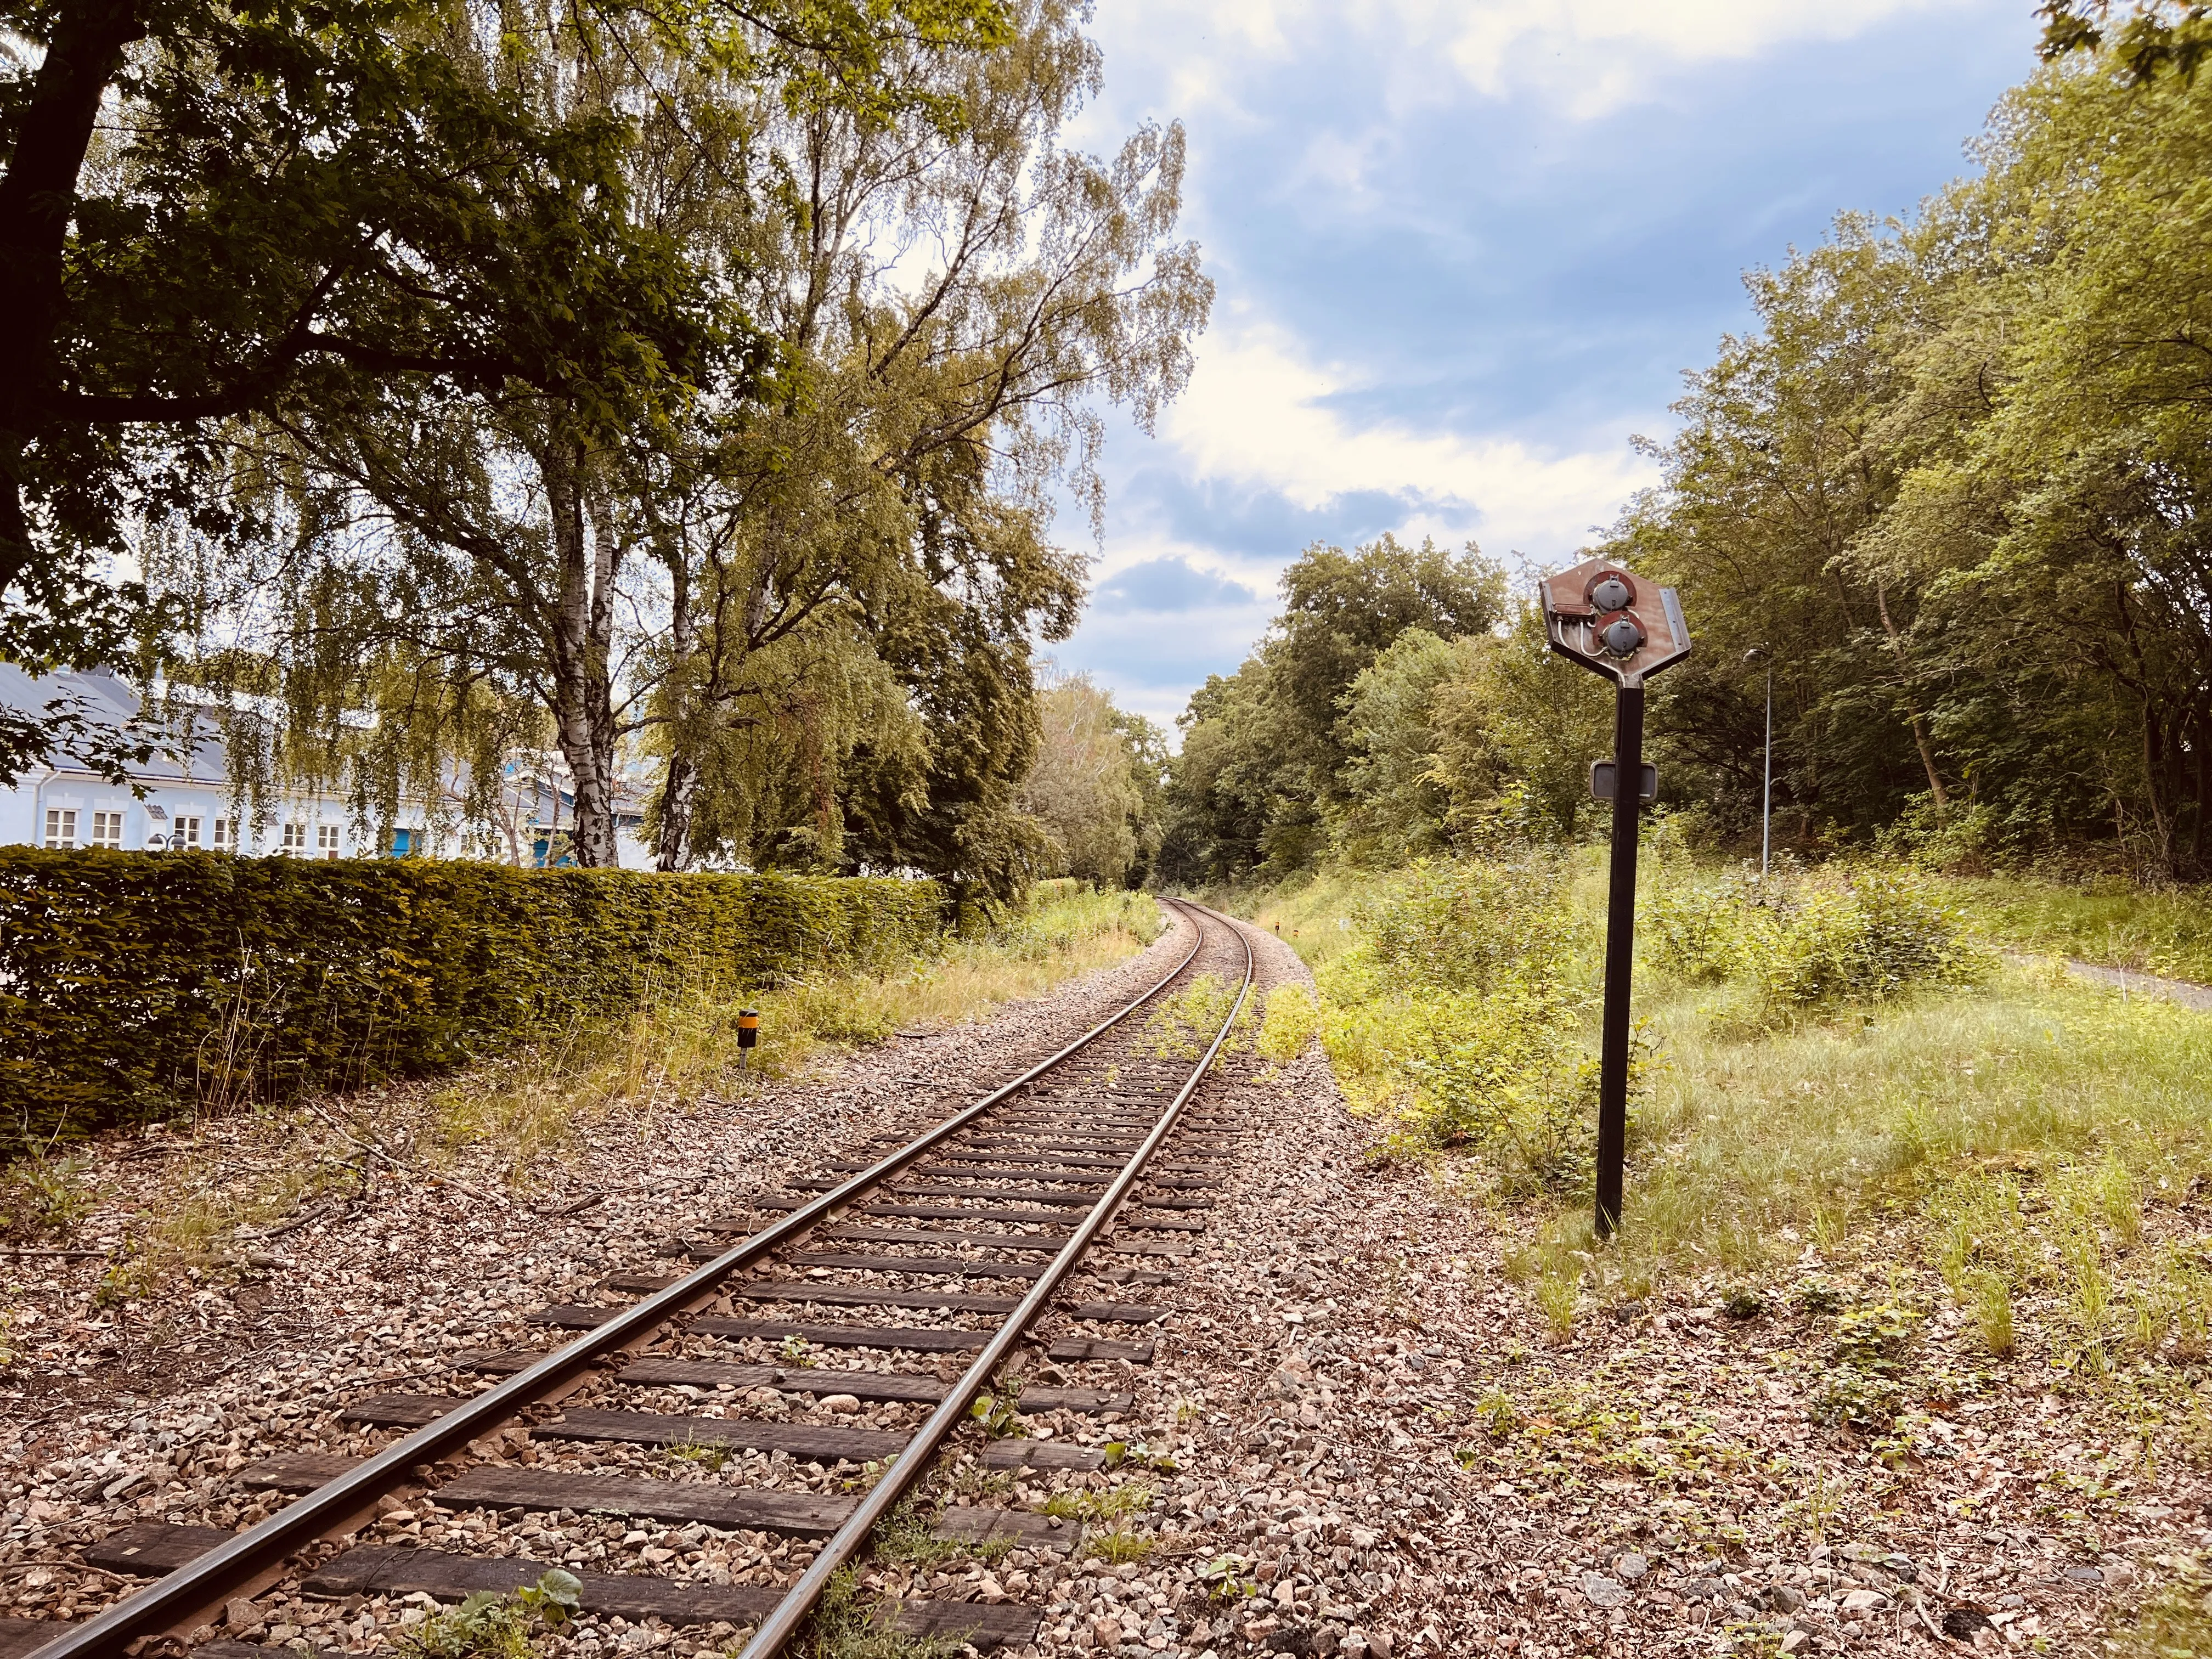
pixel 107 699
pixel 104 699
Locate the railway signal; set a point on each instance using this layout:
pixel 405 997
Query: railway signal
pixel 1619 624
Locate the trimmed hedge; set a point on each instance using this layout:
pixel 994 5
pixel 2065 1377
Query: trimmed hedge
pixel 133 984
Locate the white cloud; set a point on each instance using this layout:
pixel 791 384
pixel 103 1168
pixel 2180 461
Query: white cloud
pixel 1586 56
pixel 1257 413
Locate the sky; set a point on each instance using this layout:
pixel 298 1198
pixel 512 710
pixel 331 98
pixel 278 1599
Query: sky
pixel 1463 253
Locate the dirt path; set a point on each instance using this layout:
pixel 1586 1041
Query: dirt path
pixel 2132 983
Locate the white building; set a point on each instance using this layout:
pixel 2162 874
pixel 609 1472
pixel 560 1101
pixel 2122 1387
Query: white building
pixel 189 806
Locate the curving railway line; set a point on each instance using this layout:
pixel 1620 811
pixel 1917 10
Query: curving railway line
pixel 905 1282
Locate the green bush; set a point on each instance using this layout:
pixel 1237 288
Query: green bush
pixel 1460 1011
pixel 1695 932
pixel 1868 940
pixel 133 984
pixel 1805 942
pixel 1469 925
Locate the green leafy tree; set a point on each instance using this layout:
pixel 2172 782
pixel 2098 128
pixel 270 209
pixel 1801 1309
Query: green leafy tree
pixel 1263 751
pixel 1087 786
pixel 293 209
pixel 897 488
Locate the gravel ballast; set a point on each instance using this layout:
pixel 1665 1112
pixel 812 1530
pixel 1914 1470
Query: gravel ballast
pixel 1358 1437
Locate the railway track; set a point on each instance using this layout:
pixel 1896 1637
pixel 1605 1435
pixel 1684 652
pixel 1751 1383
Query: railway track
pixel 897 1286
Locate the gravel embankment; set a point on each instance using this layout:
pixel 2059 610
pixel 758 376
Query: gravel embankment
pixel 1381 1448
pixel 1359 1436
pixel 114 1410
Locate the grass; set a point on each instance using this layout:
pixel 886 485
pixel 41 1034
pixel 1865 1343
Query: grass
pixel 2029 1137
pixel 1093 1508
pixel 2113 921
pixel 1109 1515
pixel 846 1626
pixel 678 1046
pixel 2176 1623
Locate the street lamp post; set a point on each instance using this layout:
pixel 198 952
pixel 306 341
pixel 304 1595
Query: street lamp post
pixel 1757 654
pixel 1627 629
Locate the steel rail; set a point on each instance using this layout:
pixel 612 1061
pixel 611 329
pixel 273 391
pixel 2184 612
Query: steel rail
pixel 338 1505
pixel 780 1626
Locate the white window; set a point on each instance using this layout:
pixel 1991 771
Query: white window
pixel 185 832
pixel 61 827
pixel 107 829
pixel 226 835
pixel 326 841
pixel 294 840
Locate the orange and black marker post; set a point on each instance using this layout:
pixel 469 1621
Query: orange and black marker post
pixel 748 1034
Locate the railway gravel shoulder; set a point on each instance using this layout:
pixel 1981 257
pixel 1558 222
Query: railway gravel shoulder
pixel 1383 1448
pixel 395 1288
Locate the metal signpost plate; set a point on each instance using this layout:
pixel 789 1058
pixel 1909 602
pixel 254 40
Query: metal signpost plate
pixel 1602 775
pixel 1582 606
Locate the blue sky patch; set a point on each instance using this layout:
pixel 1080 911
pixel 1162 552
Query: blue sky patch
pixel 1464 252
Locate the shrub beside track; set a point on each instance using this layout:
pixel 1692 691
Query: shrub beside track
pixel 133 983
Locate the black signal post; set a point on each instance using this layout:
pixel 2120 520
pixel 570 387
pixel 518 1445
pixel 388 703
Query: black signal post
pixel 1617 624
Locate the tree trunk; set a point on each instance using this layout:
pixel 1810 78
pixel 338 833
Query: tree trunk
pixel 2203 798
pixel 583 628
pixel 679 801
pixel 1912 714
pixel 679 786
pixel 38 199
pixel 2161 820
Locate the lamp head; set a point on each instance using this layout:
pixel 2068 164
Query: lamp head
pixel 1621 637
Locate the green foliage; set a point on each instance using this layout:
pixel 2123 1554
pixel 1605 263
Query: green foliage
pixel 1979 1224
pixel 1862 1390
pixel 1119 1544
pixel 484 379
pixel 491 1625
pixel 42 1196
pixel 2108 920
pixel 1993 1319
pixel 1184 1025
pixel 1289 1024
pixel 381 218
pixel 1818 1295
pixel 2175 1623
pixel 1088 787
pixel 1460 1011
pixel 1474 925
pixel 908 1536
pixel 1743 1303
pixel 1398 803
pixel 1867 940
pixel 1501 1418
pixel 137 983
pixel 1264 749
pixel 999 1413
pixel 1874 1337
pixel 1994 411
pixel 1230 1577
pixel 847 1625
pixel 1808 942
pixel 1115 1504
